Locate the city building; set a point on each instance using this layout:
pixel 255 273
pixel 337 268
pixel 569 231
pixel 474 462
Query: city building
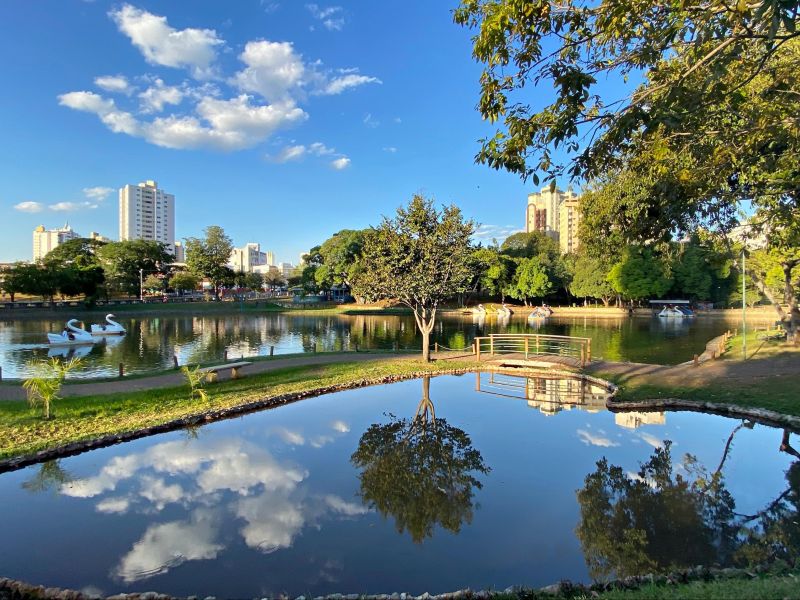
pixel 180 253
pixel 286 269
pixel 147 213
pixel 270 258
pixel 569 219
pixel 45 240
pixel 247 257
pixel 93 235
pixel 542 213
pixel 753 237
pixel 632 419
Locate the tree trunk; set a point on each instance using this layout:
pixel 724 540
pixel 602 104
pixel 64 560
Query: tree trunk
pixel 791 300
pixel 606 301
pixel 425 319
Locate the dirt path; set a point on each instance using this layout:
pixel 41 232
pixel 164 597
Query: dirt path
pixel 175 378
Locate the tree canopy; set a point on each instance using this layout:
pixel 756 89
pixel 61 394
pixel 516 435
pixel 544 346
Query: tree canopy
pixel 209 256
pixel 421 258
pixel 420 471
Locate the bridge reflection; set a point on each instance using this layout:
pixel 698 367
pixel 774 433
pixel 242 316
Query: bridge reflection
pixel 551 394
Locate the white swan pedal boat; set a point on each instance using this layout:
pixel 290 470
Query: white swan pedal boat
pixel 110 327
pixel 71 336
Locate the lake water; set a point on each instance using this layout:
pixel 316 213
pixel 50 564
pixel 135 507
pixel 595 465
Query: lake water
pixel 151 342
pixel 498 481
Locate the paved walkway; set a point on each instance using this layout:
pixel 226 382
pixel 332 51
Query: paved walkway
pixel 175 378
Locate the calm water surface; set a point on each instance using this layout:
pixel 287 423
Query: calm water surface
pixel 152 341
pixel 488 482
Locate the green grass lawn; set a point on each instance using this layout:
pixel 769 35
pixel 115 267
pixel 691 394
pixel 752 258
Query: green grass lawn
pixel 762 588
pixel 23 431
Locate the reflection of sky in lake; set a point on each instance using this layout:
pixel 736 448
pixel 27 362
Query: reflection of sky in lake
pixel 269 502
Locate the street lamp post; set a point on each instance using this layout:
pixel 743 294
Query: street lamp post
pixel 141 285
pixel 744 308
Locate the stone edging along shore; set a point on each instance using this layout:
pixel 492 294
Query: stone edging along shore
pixel 11 589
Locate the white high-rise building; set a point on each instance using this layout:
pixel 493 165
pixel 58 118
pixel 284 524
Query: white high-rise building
pixel 147 213
pixel 543 214
pixel 45 240
pixel 247 257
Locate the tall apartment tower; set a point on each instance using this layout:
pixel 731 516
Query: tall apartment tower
pixel 542 213
pixel 45 240
pixel 569 221
pixel 147 213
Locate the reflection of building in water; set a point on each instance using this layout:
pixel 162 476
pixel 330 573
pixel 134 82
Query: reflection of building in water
pixel 632 420
pixel 548 394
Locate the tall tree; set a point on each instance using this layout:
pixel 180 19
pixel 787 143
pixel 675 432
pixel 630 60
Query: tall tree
pixel 77 267
pixel 339 258
pixel 209 256
pixel 712 125
pixel 590 279
pixel 494 271
pixel 640 274
pixel 127 261
pixel 421 258
pixel 573 48
pixel 183 281
pixel 531 280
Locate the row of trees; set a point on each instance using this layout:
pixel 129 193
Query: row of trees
pixel 528 266
pixel 710 133
pixel 90 268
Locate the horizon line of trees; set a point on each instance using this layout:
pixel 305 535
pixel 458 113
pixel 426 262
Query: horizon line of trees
pixel 95 269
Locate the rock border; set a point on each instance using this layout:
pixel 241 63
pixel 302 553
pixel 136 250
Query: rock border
pixel 201 418
pixel 11 589
pixel 760 415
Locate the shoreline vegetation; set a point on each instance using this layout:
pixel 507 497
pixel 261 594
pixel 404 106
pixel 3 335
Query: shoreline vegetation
pixel 760 314
pixel 767 382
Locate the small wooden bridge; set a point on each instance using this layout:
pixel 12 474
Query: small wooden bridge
pixel 533 350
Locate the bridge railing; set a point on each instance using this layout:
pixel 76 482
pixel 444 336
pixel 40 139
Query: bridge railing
pixel 534 344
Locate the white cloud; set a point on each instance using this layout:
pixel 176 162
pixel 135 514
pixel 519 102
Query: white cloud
pixel 113 83
pixel 71 206
pixel 370 121
pixel 340 163
pixel 116 120
pixel 273 70
pixel 98 193
pixel 168 545
pixel 223 124
pixel 340 84
pixel 341 506
pixel 113 506
pixel 650 439
pixel 390 149
pixel 269 7
pixel 160 44
pixel 29 206
pixel 498 232
pixel 293 438
pixel 320 441
pixel 290 153
pixel 157 95
pixel 340 426
pixel 299 151
pixel 331 17
pixel 591 439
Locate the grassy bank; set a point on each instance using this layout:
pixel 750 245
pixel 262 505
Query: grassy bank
pixel 23 432
pixel 768 379
pixel 762 588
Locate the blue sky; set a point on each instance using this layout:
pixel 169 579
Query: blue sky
pixel 282 121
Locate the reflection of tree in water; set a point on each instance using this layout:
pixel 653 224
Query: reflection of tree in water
pixel 656 520
pixel 49 476
pixel 420 471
